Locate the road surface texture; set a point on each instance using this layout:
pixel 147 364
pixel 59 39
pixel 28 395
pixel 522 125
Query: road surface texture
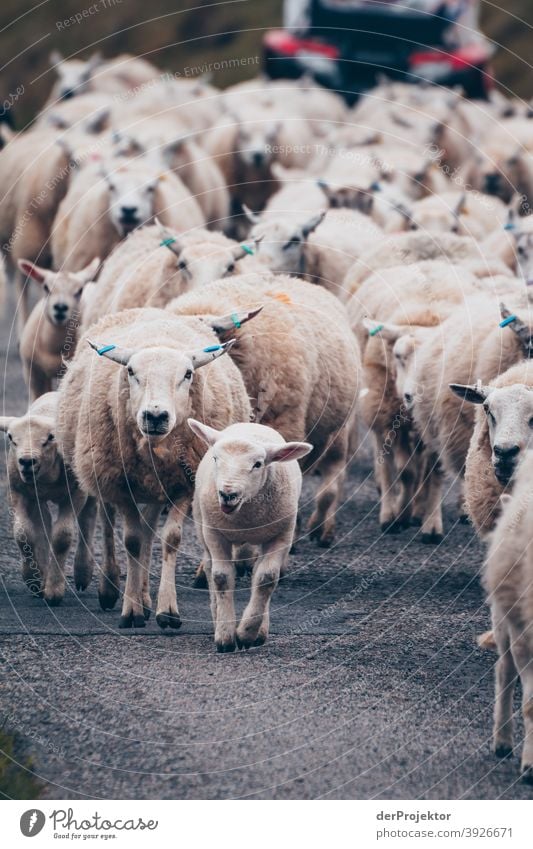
pixel 370 686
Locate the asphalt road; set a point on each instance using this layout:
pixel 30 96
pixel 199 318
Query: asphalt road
pixel 371 685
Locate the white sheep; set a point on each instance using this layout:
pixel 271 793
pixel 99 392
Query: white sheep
pixel 49 335
pixel 114 76
pixel 247 489
pixel 37 475
pixel 122 429
pixel 110 199
pixel 508 579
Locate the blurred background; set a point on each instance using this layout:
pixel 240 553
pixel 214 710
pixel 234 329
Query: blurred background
pixel 187 34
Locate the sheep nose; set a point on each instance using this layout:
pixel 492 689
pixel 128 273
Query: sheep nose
pixel 153 420
pixel 408 398
pixel 27 463
pixel 504 452
pixel 492 183
pixel 228 496
pixel 67 94
pixel 128 211
pixel 60 308
pixel 258 158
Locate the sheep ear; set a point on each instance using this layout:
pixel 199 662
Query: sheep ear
pixel 517 326
pixel 222 323
pixel 207 434
pixel 329 193
pixel 240 251
pixel 473 394
pixel 111 352
pixel 55 58
pixel 313 223
pixel 253 217
pixel 460 209
pixel 286 453
pixel 40 275
pixel 87 274
pixel 5 422
pixel 94 62
pixel 169 239
pixel 211 352
pixel 390 332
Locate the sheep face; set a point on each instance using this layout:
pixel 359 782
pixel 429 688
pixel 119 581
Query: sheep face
pixel 254 144
pixel 509 412
pixel 524 256
pixel 33 445
pixel 280 244
pixel 240 466
pixel 159 382
pixel 74 74
pixel 403 352
pixel 199 268
pixel 131 198
pixel 63 290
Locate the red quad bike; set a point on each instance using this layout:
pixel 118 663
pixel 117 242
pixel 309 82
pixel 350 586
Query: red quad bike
pixel 348 46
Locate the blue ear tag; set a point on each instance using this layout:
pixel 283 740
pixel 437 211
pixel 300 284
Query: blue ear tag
pixel 211 348
pixel 376 330
pixel 105 349
pixel 248 250
pixel 508 320
pixel 235 319
pixel 167 242
pixel 509 226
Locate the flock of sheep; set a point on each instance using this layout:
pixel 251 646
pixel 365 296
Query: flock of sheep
pixel 236 280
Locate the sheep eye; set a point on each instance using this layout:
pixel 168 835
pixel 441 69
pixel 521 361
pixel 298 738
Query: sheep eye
pixel 130 371
pixel 188 374
pixel 49 438
pixel 521 250
pixel 531 423
pixel 46 288
pixel 257 465
pixel 231 267
pixel 182 265
pixel 10 437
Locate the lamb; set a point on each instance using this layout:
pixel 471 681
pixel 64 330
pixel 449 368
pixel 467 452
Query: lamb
pixel 113 76
pixel 37 475
pixel 108 200
pixel 155 264
pixel 49 335
pixel 502 433
pixel 247 488
pixel 407 248
pixel 122 430
pixel 300 365
pixel 508 579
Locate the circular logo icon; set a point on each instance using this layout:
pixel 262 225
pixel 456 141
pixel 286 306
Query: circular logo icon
pixel 32 822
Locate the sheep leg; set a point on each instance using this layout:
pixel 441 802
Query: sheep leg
pixel 167 615
pixel 39 383
pixel 84 559
pixel 520 642
pixel 407 467
pixel 254 625
pixel 138 537
pixel 332 466
pixel 22 286
pixel 505 682
pixel 31 529
pixel 221 581
pixel 432 526
pixel 109 583
pixel 384 459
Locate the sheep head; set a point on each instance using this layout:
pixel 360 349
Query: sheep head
pixel 62 289
pixel 509 412
pixel 32 443
pixel 159 382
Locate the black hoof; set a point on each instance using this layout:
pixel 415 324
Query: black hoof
pixel 260 641
pixel 464 519
pixel 527 775
pixel 240 569
pixel 391 527
pixel 168 620
pixel 108 598
pixel 416 522
pixel 431 539
pixel 147 612
pixel 293 549
pixel 503 750
pixel 200 581
pixel 225 648
pixel 131 621
pixel 54 601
